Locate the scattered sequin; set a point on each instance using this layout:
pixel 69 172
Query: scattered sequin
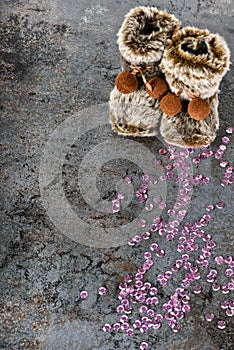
pixel 128 179
pixel 144 346
pixel 209 317
pixel 220 205
pixel 194 245
pixel 229 130
pixel 84 294
pixel 221 324
pixel 107 327
pixel 225 139
pixel 102 291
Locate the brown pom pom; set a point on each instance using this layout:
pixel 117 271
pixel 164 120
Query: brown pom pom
pixel 159 88
pixel 170 105
pixel 126 82
pixel 198 109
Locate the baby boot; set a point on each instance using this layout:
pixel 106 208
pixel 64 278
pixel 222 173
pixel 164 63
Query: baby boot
pixel 134 104
pixel 194 63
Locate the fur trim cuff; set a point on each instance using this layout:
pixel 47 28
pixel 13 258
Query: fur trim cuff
pixel 144 33
pixel 195 61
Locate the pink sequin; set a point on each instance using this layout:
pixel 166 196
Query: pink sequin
pixel 160 253
pixel 225 139
pixel 146 235
pixel 228 259
pixel 168 274
pixel 186 308
pixel 224 304
pixel 124 326
pixel 222 148
pixel 142 223
pixel 229 130
pixel 84 294
pixel 221 324
pixel 223 164
pixel 210 207
pixel 107 327
pixel 143 309
pixel 145 177
pixel 157 199
pixel 229 272
pixel 162 205
pixel 215 287
pixel 149 207
pixel 219 260
pixel 144 346
pixel 197 289
pixel 196 160
pixel 116 326
pixel 224 183
pixel 102 291
pixel 157 162
pixel 153 291
pixel 120 309
pixel 230 285
pixel 123 319
pixel 130 332
pixel 220 205
pixel 209 317
pixel 137 324
pixel 230 312
pixel 154 247
pixel 225 289
pixel 128 179
pixel 153 180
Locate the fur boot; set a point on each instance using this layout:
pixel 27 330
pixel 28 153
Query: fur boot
pixel 194 63
pixel 141 39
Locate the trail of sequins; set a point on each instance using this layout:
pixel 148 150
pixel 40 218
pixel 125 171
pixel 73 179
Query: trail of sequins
pixel 193 243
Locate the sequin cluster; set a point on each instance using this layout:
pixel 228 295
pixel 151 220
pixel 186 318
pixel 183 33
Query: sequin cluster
pixel 141 306
pixel 116 202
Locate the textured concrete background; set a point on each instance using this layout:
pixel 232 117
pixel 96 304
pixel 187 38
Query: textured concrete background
pixel 58 58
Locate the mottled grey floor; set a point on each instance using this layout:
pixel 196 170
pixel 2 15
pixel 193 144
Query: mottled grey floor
pixel 59 60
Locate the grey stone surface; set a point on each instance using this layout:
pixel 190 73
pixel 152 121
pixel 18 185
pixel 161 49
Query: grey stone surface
pixel 58 59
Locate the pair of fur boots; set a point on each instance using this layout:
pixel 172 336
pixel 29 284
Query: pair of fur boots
pixel 169 81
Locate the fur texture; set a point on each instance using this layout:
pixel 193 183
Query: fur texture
pixel 141 39
pixel 135 114
pixel 194 61
pixel 144 33
pixel 184 131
